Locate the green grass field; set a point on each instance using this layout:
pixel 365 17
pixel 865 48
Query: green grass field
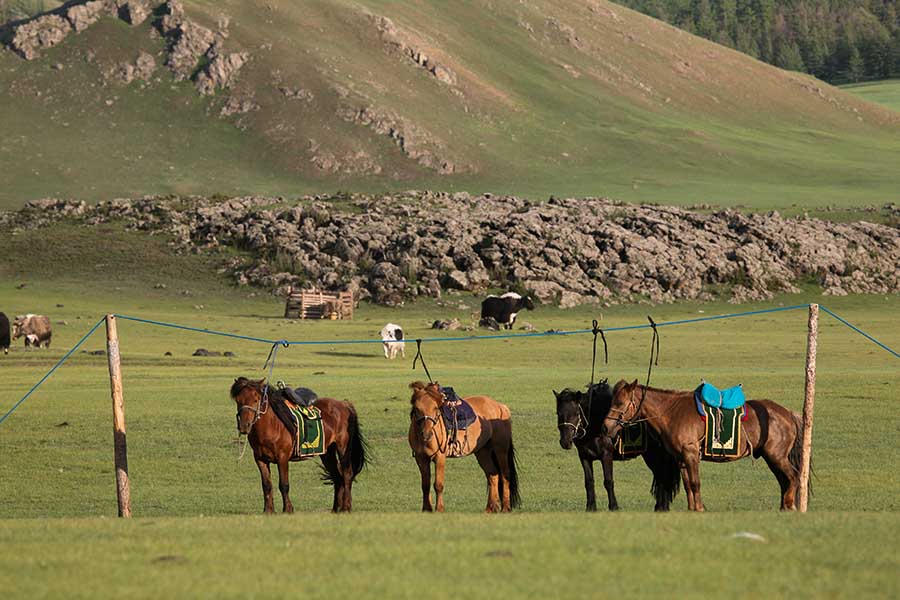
pixel 880 92
pixel 198 531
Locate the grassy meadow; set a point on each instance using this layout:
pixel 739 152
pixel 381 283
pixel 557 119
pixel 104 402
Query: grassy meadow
pixel 198 530
pixel 885 92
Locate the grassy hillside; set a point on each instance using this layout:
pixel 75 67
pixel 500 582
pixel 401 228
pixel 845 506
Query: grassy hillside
pixel 886 92
pixel 565 98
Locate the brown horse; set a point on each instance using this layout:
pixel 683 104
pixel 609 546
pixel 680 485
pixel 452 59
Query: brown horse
pixel 489 438
pixel 345 448
pixel 770 430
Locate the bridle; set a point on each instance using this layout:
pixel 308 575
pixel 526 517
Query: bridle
pixel 261 408
pixel 579 428
pixel 421 429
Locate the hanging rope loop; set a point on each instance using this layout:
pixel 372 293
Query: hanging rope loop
pixel 420 356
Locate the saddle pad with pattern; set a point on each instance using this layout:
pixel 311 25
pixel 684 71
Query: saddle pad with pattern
pixel 457 415
pixel 723 432
pixel 310 438
pixel 632 440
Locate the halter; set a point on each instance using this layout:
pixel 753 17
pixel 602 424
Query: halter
pixel 579 428
pixel 261 408
pixel 434 422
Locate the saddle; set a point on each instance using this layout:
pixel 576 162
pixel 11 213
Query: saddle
pixel 458 416
pixel 300 396
pixel 709 395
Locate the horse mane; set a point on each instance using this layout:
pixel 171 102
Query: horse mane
pixel 622 383
pixel 421 386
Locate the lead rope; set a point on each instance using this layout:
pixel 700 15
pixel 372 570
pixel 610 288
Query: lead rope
pixel 418 356
pixel 595 329
pixel 654 343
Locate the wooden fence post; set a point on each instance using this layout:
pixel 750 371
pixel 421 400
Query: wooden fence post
pixel 808 405
pixel 123 487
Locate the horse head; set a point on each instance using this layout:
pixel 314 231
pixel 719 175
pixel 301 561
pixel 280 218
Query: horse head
pixel 248 395
pixel 622 409
pixel 426 403
pixel 571 418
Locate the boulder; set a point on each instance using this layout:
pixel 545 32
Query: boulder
pixel 220 72
pixel 43 32
pixel 82 16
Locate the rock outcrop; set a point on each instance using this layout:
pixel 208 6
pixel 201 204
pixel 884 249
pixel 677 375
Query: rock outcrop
pixel 571 252
pixel 40 33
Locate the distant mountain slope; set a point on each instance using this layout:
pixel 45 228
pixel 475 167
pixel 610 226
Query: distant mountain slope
pixel 536 98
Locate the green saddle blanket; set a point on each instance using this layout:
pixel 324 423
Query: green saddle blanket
pixel 723 432
pixel 310 439
pixel 632 440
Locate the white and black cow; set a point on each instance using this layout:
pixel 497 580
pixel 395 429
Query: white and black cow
pixel 392 340
pixel 504 309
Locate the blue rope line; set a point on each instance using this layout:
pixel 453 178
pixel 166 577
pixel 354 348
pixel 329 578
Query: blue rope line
pixel 859 331
pixel 197 329
pixel 50 372
pixel 466 337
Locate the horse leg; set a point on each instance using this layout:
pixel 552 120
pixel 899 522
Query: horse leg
pixel 347 473
pixel 606 461
pixel 692 464
pixel 503 480
pixel 284 485
pixel 440 462
pixel 425 472
pixel 266 477
pixel 787 479
pixel 685 483
pixel 587 465
pixel 490 472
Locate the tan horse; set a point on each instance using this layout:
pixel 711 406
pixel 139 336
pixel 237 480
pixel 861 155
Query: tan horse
pixel 489 438
pixel 771 431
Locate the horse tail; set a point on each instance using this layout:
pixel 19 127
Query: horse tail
pixel 796 454
pixel 514 499
pixel 666 477
pixel 360 455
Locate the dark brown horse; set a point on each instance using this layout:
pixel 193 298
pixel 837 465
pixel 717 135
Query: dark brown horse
pixel 345 448
pixel 579 417
pixel 489 438
pixel 770 431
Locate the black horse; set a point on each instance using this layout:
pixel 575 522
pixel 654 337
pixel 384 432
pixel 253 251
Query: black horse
pixel 580 417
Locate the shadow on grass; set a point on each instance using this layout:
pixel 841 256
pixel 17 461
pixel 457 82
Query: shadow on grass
pixel 346 354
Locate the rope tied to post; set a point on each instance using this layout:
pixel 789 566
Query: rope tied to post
pixel 420 356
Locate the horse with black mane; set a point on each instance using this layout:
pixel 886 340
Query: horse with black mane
pixel 272 441
pixel 770 431
pixel 580 418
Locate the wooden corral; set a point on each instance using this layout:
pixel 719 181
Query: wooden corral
pixel 316 304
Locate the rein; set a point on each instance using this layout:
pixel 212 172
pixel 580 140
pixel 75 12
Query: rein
pixel 654 360
pixel 420 356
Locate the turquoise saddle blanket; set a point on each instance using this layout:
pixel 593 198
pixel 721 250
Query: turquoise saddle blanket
pixel 708 395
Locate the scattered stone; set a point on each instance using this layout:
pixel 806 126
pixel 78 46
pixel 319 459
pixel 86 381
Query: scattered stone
pixel 228 354
pixel 167 354
pixel 566 251
pixel 449 325
pixel 205 352
pixel 526 326
pixel 134 12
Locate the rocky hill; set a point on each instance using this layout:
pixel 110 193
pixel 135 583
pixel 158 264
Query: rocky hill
pixel 568 251
pixel 103 98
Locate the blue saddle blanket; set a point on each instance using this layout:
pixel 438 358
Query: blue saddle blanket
pixel 457 414
pixel 708 395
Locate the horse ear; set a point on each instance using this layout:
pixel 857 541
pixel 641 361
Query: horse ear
pixel 633 384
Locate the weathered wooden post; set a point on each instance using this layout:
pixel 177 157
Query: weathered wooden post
pixel 123 487
pixel 808 404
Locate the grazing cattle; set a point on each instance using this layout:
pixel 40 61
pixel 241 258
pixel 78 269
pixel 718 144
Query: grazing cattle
pixel 392 341
pixel 34 328
pixel 503 309
pixel 4 333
